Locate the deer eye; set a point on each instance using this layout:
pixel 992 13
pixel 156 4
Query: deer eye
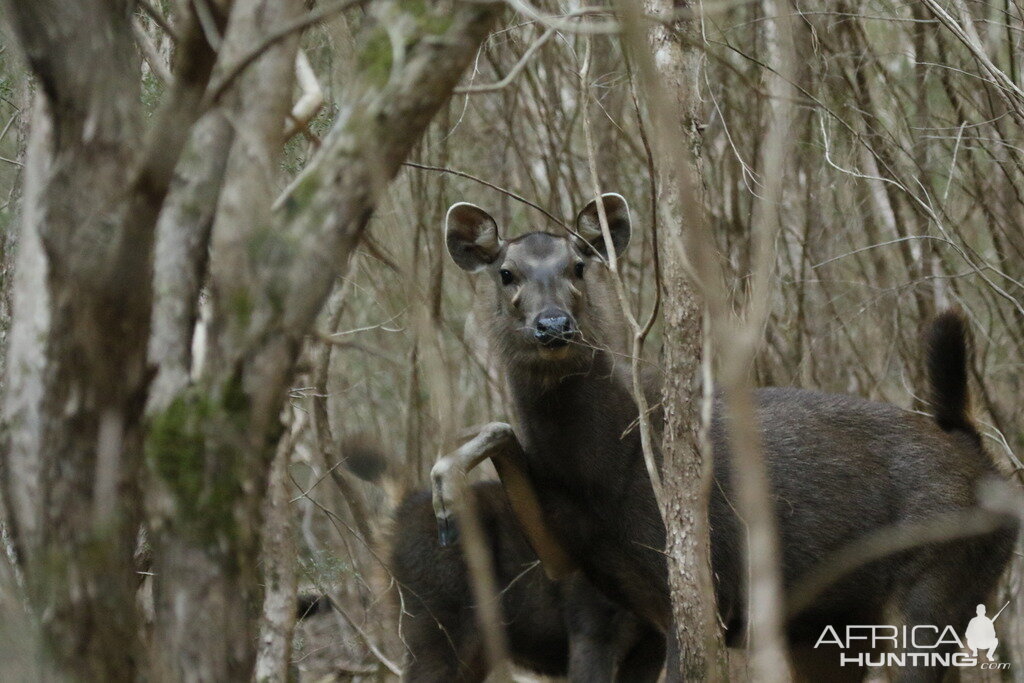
pixel 506 277
pixel 580 267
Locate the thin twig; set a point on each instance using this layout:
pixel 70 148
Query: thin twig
pixel 513 72
pixel 273 38
pixel 157 17
pixel 149 52
pixel 508 193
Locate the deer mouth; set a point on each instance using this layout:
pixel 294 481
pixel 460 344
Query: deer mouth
pixel 555 347
pixel 558 342
pixel 560 352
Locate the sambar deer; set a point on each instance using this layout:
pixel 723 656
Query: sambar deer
pixel 553 628
pixel 841 467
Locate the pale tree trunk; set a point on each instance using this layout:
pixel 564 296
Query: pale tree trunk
pixel 97 205
pixel 670 81
pixel 204 623
pixel 278 563
pixel 9 236
pixel 30 322
pixel 686 468
pixel 739 342
pixel 20 655
pixel 213 444
pixel 691 249
pixel 180 256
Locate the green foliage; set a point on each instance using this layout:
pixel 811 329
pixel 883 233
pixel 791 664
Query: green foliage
pixel 177 445
pixel 409 21
pixel 153 90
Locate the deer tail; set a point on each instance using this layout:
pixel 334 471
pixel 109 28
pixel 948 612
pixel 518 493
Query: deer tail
pixel 948 356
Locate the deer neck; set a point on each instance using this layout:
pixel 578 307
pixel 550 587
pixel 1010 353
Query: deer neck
pixel 575 423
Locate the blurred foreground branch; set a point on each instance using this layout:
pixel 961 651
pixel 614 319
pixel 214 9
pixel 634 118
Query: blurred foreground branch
pixel 271 273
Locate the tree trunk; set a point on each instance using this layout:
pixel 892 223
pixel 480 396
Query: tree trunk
pixel 689 246
pixel 30 322
pixel 195 563
pixel 671 82
pixel 278 562
pixel 180 257
pixel 686 468
pixel 97 207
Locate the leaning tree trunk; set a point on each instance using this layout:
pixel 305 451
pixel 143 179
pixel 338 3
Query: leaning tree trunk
pixel 212 446
pixel 97 207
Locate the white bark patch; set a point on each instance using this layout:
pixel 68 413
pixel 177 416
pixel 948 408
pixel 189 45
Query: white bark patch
pixel 30 323
pixel 200 338
pixel 109 446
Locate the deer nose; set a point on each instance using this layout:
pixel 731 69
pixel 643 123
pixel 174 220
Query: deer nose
pixel 554 329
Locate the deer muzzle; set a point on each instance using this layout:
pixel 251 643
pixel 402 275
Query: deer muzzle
pixel 554 329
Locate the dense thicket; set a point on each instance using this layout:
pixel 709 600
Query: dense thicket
pixel 901 194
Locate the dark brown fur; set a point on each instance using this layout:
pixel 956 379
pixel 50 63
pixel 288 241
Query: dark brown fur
pixel 841 466
pixel 553 628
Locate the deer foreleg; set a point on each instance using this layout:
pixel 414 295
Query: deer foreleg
pixel 498 442
pixel 448 475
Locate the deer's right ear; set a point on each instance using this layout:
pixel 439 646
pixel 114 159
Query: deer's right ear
pixel 590 238
pixel 472 236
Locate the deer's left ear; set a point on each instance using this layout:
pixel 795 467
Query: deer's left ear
pixel 588 225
